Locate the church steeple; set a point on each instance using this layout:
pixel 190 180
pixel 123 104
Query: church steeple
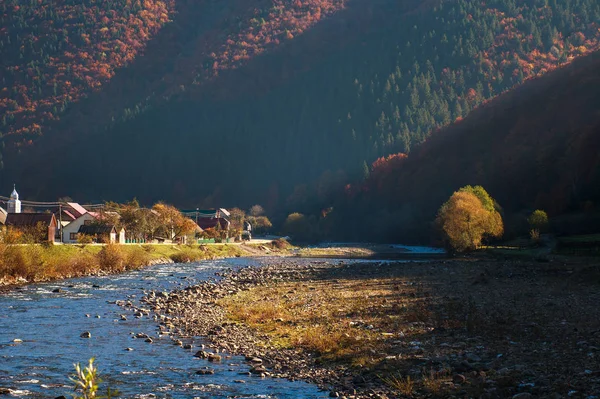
pixel 14 205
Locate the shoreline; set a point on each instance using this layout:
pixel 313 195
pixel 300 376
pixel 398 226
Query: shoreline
pixel 451 344
pixel 40 264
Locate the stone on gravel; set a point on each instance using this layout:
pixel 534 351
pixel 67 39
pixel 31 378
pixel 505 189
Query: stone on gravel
pixel 523 395
pixel 86 334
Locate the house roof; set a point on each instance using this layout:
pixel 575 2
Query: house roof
pixel 97 229
pixel 79 210
pixel 3 215
pixel 30 219
pixel 206 213
pixel 211 223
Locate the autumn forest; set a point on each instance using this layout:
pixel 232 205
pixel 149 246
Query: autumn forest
pixel 300 105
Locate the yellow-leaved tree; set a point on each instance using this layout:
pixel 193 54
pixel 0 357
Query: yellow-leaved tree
pixel 468 217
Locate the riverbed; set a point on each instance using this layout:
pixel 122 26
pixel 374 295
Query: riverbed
pixel 50 324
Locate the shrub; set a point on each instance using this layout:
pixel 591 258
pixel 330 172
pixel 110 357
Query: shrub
pixel 84 239
pixel 298 227
pixel 187 256
pixel 538 220
pixel 137 257
pixel 280 243
pixel 111 258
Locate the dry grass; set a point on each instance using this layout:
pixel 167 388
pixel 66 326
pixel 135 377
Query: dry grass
pixel 32 263
pixel 392 320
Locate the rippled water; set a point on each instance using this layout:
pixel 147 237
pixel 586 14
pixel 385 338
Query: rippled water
pixel 50 325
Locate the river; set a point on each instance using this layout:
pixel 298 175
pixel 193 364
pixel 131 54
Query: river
pixel 50 325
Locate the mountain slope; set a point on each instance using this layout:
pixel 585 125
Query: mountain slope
pixel 271 94
pixel 537 147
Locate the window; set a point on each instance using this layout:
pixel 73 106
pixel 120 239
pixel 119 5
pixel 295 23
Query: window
pixel 73 236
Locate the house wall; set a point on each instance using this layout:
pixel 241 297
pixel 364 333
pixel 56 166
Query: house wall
pixel 74 226
pixel 52 233
pixel 122 236
pixel 113 238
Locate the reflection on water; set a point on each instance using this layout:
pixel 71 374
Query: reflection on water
pixel 49 325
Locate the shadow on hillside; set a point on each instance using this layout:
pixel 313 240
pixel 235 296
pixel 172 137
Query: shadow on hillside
pixel 169 61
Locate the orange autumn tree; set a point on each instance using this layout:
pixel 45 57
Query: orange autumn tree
pixel 172 223
pixel 468 217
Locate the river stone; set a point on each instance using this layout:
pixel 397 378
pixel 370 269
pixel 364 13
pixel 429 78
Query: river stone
pixel 213 357
pixel 259 369
pixel 17 340
pixel 58 290
pixel 4 391
pixel 86 334
pixel 205 371
pixel 523 395
pixel 149 340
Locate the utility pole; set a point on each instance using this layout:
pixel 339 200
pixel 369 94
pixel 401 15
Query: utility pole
pixel 60 221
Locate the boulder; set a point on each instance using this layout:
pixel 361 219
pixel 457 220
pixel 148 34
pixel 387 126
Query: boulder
pixel 86 334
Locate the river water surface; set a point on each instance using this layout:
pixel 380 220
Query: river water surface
pixel 50 325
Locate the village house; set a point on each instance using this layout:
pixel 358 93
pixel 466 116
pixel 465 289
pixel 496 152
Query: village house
pixel 103 233
pixel 88 224
pixel 33 221
pixel 209 219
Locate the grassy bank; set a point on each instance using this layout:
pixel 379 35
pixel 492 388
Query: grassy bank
pixel 34 263
pixel 449 328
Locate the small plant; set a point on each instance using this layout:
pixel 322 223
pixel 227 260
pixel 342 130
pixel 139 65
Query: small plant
pixel 404 385
pixel 84 239
pixel 538 220
pixel 534 234
pixel 87 383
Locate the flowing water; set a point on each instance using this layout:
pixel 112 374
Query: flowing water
pixel 50 325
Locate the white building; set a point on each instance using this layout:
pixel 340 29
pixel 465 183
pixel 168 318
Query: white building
pixel 71 230
pixel 14 205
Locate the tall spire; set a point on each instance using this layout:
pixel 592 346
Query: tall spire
pixel 14 205
pixel 14 194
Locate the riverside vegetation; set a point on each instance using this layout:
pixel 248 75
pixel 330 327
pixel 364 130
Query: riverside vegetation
pixel 35 263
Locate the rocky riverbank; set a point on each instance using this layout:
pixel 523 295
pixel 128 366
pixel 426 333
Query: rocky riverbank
pixel 463 328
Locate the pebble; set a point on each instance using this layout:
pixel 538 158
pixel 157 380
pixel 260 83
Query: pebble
pixel 522 395
pixel 86 334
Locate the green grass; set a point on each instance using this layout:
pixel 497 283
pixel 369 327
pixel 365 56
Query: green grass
pixel 589 238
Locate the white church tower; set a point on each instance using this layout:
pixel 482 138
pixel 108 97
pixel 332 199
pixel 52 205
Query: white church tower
pixel 14 205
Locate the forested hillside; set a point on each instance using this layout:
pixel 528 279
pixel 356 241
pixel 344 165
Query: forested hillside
pixel 246 101
pixel 537 147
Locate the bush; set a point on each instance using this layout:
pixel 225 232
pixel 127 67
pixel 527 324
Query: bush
pixel 187 256
pixel 280 243
pixel 538 220
pixel 111 258
pixel 137 257
pixel 84 239
pixel 298 227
